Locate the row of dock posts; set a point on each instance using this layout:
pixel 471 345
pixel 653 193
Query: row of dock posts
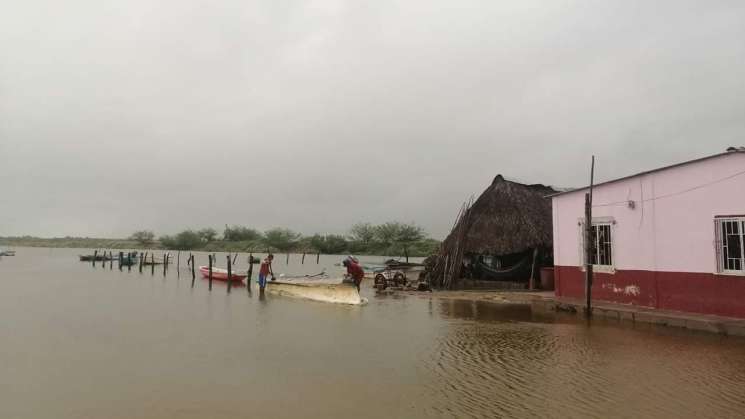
pixel 126 260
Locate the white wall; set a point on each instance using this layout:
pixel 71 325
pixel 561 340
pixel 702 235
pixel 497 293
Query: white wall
pixel 672 226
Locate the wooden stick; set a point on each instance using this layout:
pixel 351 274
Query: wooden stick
pixel 234 258
pixel 193 275
pixel 318 258
pixel 302 261
pixel 178 264
pixel 531 281
pixel 95 254
pixel 210 276
pixel 152 263
pixel 250 271
pixel 287 262
pixel 230 274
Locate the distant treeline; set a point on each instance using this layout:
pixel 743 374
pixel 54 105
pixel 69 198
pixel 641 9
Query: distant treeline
pixel 392 238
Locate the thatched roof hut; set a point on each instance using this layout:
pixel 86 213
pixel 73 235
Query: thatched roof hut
pixel 509 218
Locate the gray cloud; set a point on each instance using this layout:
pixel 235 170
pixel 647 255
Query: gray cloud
pixel 315 115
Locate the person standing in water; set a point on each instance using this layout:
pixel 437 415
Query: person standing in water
pixel 354 271
pixel 265 270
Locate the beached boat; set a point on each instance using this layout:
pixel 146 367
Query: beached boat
pixel 97 258
pixel 157 261
pixel 317 287
pixel 7 252
pixel 221 274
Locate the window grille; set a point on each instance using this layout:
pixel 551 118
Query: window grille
pixel 730 234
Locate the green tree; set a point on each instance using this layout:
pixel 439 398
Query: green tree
pixel 185 240
pixel 282 239
pixel 207 234
pixel 330 244
pixel 362 233
pixel 240 233
pixel 144 238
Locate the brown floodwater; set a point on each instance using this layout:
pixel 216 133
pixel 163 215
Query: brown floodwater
pixel 78 341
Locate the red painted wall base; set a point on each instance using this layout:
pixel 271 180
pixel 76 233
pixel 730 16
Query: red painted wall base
pixel 722 295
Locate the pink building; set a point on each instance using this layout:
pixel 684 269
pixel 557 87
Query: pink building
pixel 671 238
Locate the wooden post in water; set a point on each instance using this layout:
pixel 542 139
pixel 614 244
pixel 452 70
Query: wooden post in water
pixel 193 274
pixel 121 260
pixel 287 262
pixel 210 272
pixel 302 261
pixel 152 263
pixel 142 256
pixel 250 271
pixel 230 274
pixel 166 256
pixel 589 244
pixel 318 258
pixel 178 264
pixel 111 261
pixel 234 258
pixel 95 254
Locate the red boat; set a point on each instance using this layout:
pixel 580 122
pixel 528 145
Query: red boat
pixel 221 274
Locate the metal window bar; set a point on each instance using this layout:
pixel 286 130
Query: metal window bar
pixel 602 254
pixel 742 245
pixel 731 245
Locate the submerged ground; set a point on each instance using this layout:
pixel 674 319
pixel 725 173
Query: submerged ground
pixel 79 342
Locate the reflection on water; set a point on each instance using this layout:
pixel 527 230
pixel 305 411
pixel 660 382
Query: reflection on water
pixel 78 341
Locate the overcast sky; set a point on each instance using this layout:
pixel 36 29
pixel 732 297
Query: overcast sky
pixel 314 115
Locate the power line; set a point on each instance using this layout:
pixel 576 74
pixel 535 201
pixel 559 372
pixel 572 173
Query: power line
pixel 610 204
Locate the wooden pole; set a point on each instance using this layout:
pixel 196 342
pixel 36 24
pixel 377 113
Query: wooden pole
pixel 193 274
pixel 234 258
pixel 166 256
pixel 142 256
pixel 531 282
pixel 302 261
pixel 152 263
pixel 210 275
pixel 95 254
pixel 230 274
pixel 589 244
pixel 287 261
pixel 250 271
pixel 178 264
pixel 121 260
pixel 318 258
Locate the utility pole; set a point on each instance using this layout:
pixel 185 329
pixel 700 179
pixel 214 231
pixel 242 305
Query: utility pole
pixel 589 243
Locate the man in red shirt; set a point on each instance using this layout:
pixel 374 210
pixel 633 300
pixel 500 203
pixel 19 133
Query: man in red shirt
pixel 265 270
pixel 354 271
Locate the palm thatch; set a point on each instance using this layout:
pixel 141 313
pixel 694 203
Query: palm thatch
pixel 507 218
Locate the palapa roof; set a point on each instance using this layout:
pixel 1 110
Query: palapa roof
pixel 508 217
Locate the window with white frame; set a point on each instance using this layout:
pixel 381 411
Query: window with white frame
pixel 731 244
pixel 602 243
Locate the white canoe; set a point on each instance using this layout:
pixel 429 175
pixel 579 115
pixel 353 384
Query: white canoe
pixel 318 288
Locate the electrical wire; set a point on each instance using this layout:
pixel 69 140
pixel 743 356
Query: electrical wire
pixel 610 204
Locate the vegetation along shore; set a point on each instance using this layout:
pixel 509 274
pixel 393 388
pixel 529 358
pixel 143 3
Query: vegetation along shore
pixel 391 238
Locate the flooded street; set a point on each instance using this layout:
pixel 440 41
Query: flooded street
pixel 78 341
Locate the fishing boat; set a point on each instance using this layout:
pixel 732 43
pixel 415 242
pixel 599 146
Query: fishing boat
pixel 221 274
pixel 97 258
pixel 155 261
pixel 319 287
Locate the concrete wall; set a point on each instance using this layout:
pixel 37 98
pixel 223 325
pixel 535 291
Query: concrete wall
pixel 669 231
